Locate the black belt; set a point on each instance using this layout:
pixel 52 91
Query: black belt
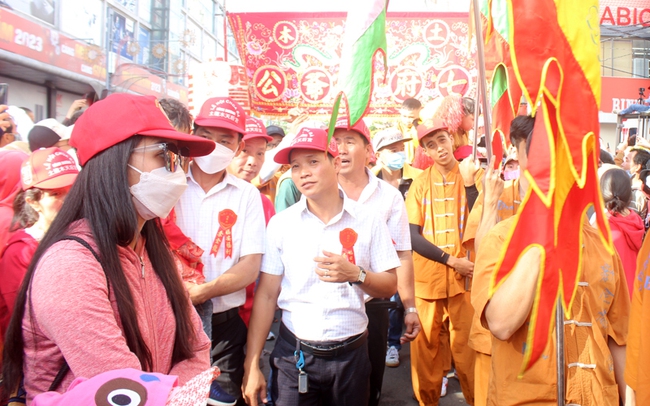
pixel 325 350
pixel 377 303
pixel 219 318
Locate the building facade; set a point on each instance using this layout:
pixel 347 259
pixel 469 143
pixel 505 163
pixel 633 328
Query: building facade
pixel 55 51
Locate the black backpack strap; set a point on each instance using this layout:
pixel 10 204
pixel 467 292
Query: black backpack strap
pixel 65 368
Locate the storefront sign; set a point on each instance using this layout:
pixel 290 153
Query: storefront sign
pixel 625 12
pixel 619 93
pixel 32 40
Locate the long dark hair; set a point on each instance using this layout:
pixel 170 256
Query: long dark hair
pixel 101 196
pixel 616 188
pixel 24 214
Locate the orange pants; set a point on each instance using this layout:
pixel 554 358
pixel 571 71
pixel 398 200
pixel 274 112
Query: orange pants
pixel 430 350
pixel 482 369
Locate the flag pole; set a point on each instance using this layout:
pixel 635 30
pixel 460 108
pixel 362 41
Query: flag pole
pixel 482 83
pixel 559 346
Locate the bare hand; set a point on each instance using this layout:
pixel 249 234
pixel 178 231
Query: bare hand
pixel 336 268
pixel 413 327
pixel 468 169
pixel 462 266
pixel 297 122
pixel 5 118
pixel 254 387
pixel 76 105
pixel 196 293
pixel 492 185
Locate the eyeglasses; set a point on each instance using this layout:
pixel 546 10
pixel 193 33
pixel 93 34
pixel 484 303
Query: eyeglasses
pixel 170 151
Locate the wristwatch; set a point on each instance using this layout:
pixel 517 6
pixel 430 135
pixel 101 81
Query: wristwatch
pixel 410 310
pixel 362 276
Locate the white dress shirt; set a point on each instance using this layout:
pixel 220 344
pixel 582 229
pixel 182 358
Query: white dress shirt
pixel 197 215
pixel 387 200
pixel 315 310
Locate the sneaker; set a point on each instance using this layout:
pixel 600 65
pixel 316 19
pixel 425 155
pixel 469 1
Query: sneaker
pixel 616 111
pixel 392 357
pixel 443 391
pixel 219 397
pixel 270 337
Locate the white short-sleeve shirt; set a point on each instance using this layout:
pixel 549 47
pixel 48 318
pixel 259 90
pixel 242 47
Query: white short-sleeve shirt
pixel 315 310
pixel 388 202
pixel 197 215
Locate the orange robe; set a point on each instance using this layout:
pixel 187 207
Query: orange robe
pixel 480 338
pixel 637 371
pixel 438 205
pixel 600 310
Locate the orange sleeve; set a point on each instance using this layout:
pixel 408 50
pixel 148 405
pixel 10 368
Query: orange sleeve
pixel 414 201
pixel 473 222
pixel 633 348
pixel 618 315
pixel 486 261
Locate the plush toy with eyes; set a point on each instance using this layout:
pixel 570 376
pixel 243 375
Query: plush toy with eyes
pixel 130 387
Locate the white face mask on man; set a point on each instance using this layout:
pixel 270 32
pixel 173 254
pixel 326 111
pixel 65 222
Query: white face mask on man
pixel 158 191
pixel 217 160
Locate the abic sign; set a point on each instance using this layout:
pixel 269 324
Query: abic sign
pixel 623 13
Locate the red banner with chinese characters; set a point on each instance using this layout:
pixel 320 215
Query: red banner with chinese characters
pixel 36 41
pixel 292 60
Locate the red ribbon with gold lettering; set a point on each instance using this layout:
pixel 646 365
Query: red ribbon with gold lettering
pixel 348 237
pixel 227 219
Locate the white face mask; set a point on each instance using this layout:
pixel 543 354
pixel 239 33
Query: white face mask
pixel 217 160
pixel 157 192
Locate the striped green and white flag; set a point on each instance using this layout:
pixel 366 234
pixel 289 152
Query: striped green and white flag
pixel 365 35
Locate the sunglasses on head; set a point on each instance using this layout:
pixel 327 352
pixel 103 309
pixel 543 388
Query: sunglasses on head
pixel 172 154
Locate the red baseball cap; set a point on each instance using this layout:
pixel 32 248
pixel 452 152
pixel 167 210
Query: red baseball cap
pixel 121 116
pixel 308 138
pixel 429 126
pixel 48 168
pixel 222 112
pixel 255 129
pixel 343 124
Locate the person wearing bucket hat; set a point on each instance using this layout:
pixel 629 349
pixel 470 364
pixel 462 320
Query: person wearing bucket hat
pixel 438 205
pixel 362 186
pixel 349 252
pixel 392 165
pixel 46 177
pixel 223 215
pixel 102 288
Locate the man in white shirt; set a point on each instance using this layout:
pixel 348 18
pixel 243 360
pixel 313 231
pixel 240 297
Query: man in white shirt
pixel 362 186
pixel 223 215
pixel 322 255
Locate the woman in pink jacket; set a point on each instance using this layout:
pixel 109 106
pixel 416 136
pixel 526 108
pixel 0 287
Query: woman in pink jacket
pixel 102 291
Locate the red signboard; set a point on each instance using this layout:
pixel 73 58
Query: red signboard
pixel 625 12
pixel 43 44
pixel 618 93
pixel 292 60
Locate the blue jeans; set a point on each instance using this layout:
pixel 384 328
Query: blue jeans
pixel 205 313
pixel 635 107
pixel 396 321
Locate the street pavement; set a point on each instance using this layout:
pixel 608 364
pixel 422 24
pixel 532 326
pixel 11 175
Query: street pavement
pixel 397 389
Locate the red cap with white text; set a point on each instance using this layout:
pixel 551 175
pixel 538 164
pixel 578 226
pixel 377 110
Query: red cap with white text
pixel 308 138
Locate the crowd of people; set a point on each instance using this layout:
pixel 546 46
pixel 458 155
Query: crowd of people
pixel 137 236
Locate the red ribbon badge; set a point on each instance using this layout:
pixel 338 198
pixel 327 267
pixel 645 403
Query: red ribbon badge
pixel 348 237
pixel 227 219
